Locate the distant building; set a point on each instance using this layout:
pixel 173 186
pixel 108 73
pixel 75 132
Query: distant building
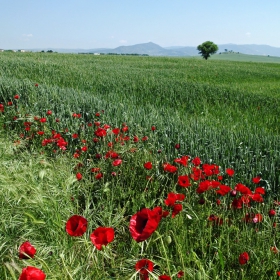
pixel 21 51
pixel 1 50
pixel 96 53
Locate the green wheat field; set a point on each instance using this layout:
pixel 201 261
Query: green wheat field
pixel 77 132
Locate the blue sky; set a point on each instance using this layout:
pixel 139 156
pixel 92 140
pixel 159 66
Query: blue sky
pixel 86 24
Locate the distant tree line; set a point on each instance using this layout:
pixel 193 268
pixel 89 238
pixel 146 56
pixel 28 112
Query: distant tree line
pixel 134 54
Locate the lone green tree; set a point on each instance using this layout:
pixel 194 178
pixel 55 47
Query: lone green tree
pixel 207 48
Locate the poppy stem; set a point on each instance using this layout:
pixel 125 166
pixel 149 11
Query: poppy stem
pixel 165 253
pixel 142 248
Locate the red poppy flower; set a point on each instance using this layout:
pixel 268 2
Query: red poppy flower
pixel 79 176
pixel 183 181
pixel 95 169
pixel 26 250
pixel 148 165
pixel 98 176
pixel 75 135
pixel 172 198
pixel 256 180
pixel 177 146
pixel 271 213
pixel 260 190
pixel 197 174
pixel 278 273
pixel 106 126
pixel 145 138
pixel 76 225
pixel 176 209
pixel 144 223
pixel 125 128
pixel 100 132
pixel 256 197
pixel 243 189
pixel 215 220
pixel 230 172
pixel 144 266
pixel 245 200
pixel 169 168
pixel 210 169
pixel 43 120
pixel 40 133
pixel 111 154
pixel 183 160
pixel 32 273
pixel 196 161
pixel 117 162
pixel 243 258
pixel 153 128
pixel 180 274
pixel 257 218
pixel 16 96
pixel 223 190
pixel 36 85
pixel 84 148
pixel 76 155
pixel 49 112
pixel 97 123
pixel 237 203
pixel 102 236
pixel 204 186
pixel 164 277
pixel 116 131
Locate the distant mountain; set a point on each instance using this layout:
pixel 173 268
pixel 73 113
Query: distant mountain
pixel 251 49
pixel 153 49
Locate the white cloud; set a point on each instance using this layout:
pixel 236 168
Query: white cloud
pixel 123 41
pixel 27 35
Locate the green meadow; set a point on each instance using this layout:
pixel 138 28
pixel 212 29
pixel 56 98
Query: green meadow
pixel 246 57
pixel 224 110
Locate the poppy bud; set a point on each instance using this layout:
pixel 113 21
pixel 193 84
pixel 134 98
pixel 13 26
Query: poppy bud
pixel 233 193
pixel 26 250
pixel 177 146
pixel 271 213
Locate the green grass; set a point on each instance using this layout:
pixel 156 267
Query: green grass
pixel 225 112
pixel 246 57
